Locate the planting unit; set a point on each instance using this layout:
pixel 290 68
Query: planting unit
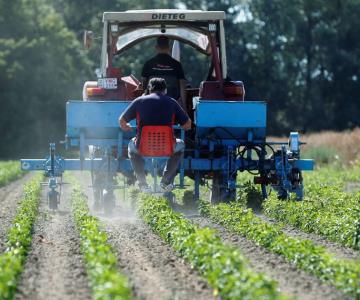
pixel 229 134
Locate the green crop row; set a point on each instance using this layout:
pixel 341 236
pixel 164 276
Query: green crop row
pixel 343 274
pixel 9 171
pixel 332 175
pixel 222 265
pixel 19 239
pixel 331 197
pixel 325 210
pixel 336 219
pixel 100 260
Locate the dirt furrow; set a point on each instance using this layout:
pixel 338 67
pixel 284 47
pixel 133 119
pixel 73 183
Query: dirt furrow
pixel 339 251
pixel 54 267
pixel 154 270
pixel 291 280
pixel 10 196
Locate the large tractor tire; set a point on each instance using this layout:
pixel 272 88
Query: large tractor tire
pixel 220 192
pixel 108 199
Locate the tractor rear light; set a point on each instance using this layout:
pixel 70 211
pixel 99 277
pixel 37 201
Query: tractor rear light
pixel 95 91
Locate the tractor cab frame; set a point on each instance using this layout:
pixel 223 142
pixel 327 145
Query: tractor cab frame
pixel 204 31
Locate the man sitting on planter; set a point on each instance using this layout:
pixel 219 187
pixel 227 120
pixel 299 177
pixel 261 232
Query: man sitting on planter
pixel 155 109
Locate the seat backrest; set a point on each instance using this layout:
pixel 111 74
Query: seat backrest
pixel 114 72
pixel 156 141
pixel 231 90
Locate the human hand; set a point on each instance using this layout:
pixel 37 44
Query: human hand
pixel 126 127
pixel 187 125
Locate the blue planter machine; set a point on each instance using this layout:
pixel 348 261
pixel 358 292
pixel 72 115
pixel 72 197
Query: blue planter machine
pixel 229 137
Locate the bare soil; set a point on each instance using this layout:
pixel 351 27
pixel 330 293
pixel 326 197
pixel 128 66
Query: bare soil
pixel 154 270
pixel 10 197
pixel 54 268
pixel 291 280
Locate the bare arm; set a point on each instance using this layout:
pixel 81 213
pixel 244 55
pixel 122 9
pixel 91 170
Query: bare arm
pixel 124 125
pixel 183 93
pixel 187 125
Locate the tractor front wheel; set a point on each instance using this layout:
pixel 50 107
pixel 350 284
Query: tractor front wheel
pixel 53 199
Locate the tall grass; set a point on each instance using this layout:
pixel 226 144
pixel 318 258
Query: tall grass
pixel 330 146
pixel 346 144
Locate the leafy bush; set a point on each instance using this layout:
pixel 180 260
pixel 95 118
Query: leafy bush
pixel 19 239
pixel 343 274
pixel 9 171
pixel 101 262
pixel 222 265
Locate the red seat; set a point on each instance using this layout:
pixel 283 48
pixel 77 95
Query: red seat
pixel 157 141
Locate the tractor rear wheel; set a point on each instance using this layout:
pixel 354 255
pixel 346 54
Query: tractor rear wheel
pixel 108 199
pixel 97 199
pixel 220 193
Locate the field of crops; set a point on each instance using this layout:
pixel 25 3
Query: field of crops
pixel 153 248
pixel 9 171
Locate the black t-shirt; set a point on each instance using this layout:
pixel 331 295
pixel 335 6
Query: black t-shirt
pixel 164 66
pixel 154 109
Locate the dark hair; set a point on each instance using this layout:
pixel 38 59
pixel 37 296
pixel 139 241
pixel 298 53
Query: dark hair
pixel 156 85
pixel 163 42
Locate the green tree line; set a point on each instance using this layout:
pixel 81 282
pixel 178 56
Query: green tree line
pixel 301 56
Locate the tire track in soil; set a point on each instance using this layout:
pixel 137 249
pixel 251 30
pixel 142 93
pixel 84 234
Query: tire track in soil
pixel 291 281
pixel 154 270
pixel 336 249
pixel 10 198
pixel 54 267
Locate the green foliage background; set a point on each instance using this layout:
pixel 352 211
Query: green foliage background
pixel 302 56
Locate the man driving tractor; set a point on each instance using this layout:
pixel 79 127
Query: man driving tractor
pixel 164 66
pixel 155 109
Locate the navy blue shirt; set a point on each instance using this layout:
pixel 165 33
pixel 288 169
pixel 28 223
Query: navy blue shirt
pixel 155 109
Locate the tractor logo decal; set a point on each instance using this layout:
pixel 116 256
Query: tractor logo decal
pixel 168 16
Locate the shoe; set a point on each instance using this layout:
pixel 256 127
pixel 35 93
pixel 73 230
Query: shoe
pixel 130 179
pixel 164 188
pixel 145 189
